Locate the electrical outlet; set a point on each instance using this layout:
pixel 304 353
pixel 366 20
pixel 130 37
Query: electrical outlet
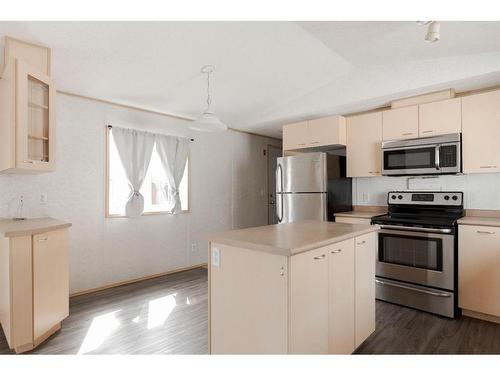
pixel 365 197
pixel 194 248
pixel 43 198
pixel 215 256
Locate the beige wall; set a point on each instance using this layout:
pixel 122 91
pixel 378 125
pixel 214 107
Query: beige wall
pixel 227 176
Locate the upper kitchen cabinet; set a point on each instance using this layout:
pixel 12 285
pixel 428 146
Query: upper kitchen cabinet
pixel 27 115
pixel 295 136
pixel 364 138
pixel 400 123
pixel 327 131
pixel 323 132
pixel 481 132
pixel 442 117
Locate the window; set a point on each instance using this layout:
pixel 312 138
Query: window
pixel 153 188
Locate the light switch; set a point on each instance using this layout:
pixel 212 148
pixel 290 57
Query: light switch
pixel 215 256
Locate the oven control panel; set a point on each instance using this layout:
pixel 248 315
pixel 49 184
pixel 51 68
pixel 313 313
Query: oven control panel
pixel 441 198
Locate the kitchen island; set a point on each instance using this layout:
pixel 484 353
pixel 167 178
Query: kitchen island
pixel 297 288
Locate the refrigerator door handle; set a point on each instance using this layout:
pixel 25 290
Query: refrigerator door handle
pixel 279 197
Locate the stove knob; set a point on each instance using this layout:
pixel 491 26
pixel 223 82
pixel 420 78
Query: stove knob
pixel 446 197
pixel 393 197
pixel 454 198
pixel 400 197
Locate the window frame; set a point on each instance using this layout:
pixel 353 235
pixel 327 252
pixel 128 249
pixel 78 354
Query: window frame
pixel 107 215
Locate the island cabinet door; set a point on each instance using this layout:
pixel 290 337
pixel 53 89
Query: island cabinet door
pixel 248 301
pixel 366 247
pixel 341 297
pixel 309 302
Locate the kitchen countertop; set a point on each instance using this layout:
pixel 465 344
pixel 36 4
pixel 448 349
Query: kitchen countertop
pixel 479 220
pixel 12 228
pixel 292 238
pixel 360 214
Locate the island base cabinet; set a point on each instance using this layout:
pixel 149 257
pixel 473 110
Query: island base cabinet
pixel 320 301
pixel 34 296
pixel 479 276
pixel 309 302
pixel 366 248
pixel 248 301
pixel 341 309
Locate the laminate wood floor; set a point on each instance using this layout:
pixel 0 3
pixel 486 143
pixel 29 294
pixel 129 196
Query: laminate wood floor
pixel 401 330
pixel 168 315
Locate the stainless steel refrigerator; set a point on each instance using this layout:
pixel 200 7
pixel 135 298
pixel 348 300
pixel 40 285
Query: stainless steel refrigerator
pixel 312 186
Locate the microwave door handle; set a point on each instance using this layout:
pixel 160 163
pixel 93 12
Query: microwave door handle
pixel 436 157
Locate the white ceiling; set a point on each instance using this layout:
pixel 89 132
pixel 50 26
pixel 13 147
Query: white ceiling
pixel 267 73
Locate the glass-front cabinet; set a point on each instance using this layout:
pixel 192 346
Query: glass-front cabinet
pixel 31 123
pixel 35 111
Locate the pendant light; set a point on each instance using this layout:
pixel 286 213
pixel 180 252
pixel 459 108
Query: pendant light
pixel 208 121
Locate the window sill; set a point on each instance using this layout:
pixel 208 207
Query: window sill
pixel 152 213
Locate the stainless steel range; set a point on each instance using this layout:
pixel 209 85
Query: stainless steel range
pixel 417 251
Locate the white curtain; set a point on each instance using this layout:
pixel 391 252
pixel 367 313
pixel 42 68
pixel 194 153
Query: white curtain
pixel 135 149
pixel 173 152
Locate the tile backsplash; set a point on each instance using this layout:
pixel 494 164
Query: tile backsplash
pixel 481 191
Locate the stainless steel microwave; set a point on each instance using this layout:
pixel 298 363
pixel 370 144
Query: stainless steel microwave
pixel 422 156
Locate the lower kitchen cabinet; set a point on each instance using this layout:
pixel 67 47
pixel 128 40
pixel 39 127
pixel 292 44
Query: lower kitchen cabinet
pixel 333 287
pixel 365 249
pixel 321 301
pixel 479 265
pixel 34 287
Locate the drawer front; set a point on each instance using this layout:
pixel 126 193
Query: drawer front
pixel 479 265
pixel 50 280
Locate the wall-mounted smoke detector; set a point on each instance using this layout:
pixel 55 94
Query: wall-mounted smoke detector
pixel 433 28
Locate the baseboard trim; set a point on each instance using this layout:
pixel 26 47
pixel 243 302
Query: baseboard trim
pixel 136 280
pixel 478 315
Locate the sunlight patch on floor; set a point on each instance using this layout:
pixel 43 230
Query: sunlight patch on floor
pixel 159 310
pixel 100 329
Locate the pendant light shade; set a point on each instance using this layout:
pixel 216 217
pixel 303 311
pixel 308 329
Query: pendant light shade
pixel 208 121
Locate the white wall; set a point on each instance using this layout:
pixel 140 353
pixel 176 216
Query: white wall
pixel 226 183
pixel 481 191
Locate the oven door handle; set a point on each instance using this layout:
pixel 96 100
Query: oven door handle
pixel 417 229
pixel 437 294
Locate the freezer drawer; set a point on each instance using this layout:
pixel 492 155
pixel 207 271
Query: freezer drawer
pixel 302 173
pixel 301 206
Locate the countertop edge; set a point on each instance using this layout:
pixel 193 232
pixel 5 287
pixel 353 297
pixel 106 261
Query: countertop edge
pixel 288 252
pixel 303 249
pixel 31 232
pixel 479 221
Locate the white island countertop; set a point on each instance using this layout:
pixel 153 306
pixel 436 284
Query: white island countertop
pixel 291 238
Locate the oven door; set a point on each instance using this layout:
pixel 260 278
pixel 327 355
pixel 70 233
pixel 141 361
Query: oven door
pixel 417 255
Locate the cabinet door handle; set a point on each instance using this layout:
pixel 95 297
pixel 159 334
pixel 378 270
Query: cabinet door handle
pixel 487 166
pixel 336 251
pixel 43 239
pixel 314 143
pixel 484 232
pixel 374 172
pixel 428 131
pixel 29 161
pixel 301 144
pixel 319 257
pixel 407 134
pixel 361 243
